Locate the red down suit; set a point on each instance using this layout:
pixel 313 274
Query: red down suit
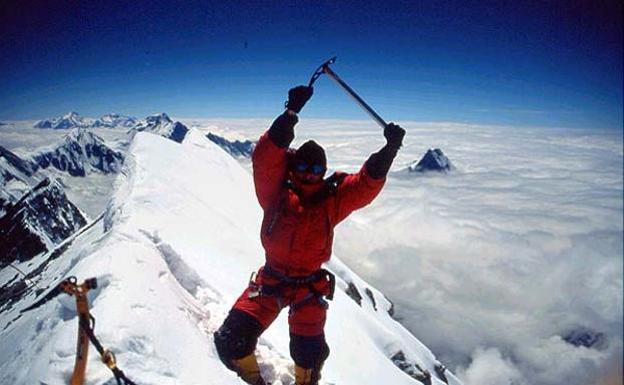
pixel 297 236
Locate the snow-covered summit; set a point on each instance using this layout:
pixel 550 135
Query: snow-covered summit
pixel 69 120
pixel 115 120
pixel 433 160
pixel 75 120
pixel 162 125
pixel 174 252
pixel 78 152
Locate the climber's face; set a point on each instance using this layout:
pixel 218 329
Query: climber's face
pixel 306 173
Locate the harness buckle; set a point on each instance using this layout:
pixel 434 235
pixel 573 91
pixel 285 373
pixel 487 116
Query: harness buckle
pixel 255 289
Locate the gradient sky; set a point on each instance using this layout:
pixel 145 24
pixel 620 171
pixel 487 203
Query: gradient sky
pixel 550 63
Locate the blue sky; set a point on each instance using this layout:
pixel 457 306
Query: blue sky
pixel 551 63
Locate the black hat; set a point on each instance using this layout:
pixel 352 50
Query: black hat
pixel 311 153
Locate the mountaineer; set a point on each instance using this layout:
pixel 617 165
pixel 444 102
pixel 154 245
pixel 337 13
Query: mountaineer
pixel 301 209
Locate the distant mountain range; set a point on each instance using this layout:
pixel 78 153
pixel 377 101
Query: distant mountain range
pixel 115 120
pixel 160 124
pixel 70 120
pixel 35 212
pixel 75 120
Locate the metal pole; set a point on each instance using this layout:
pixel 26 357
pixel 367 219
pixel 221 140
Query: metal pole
pixel 382 123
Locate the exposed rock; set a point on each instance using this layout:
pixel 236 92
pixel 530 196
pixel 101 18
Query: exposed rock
pixel 586 337
pixel 411 368
pixel 369 294
pixel 235 148
pixel 41 219
pixel 353 292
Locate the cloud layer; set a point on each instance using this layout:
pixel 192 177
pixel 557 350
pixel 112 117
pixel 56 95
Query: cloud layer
pixel 493 265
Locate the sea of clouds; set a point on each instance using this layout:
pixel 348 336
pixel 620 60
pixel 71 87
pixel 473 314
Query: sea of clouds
pixel 494 263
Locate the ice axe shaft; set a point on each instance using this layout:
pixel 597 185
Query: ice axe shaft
pixel 324 68
pixel 332 75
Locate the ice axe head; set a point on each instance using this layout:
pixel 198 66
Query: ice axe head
pixel 320 70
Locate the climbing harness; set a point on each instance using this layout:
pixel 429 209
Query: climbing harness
pixel 86 326
pixel 286 282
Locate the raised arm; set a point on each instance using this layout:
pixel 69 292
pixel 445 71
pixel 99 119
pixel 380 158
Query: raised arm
pixel 358 190
pixel 270 156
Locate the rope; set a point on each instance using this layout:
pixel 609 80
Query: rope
pixel 108 357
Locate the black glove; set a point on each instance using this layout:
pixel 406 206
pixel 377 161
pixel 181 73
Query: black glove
pixel 298 96
pixel 394 135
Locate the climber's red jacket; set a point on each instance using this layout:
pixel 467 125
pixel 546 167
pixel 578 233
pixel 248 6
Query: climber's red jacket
pixel 298 236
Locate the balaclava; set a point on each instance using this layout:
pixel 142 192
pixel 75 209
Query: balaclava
pixel 311 153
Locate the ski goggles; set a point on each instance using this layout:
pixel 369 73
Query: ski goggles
pixel 315 169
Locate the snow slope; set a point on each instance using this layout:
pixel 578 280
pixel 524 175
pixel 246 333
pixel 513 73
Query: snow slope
pixel 173 252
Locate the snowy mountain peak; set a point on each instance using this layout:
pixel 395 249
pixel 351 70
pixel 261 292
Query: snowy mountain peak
pixel 162 125
pixel 115 120
pixel 69 120
pixel 72 116
pixel 74 120
pixel 433 160
pixel 83 137
pixel 79 151
pixel 158 119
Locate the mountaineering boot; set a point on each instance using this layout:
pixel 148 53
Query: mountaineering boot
pixel 305 376
pixel 247 369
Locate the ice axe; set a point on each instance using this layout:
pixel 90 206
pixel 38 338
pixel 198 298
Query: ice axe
pixel 324 69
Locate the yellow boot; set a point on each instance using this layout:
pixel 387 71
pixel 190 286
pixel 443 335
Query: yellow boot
pixel 247 369
pixel 305 376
